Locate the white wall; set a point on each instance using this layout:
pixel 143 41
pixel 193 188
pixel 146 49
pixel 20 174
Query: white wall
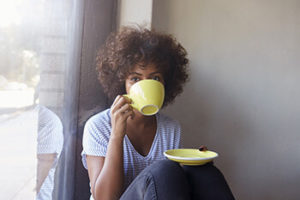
pixel 133 12
pixel 243 99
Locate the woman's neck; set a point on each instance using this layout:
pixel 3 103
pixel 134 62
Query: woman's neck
pixel 141 120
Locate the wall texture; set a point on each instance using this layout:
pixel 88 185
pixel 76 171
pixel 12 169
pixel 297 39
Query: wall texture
pixel 133 12
pixel 243 98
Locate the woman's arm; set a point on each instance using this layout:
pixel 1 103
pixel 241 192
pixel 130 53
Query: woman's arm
pixel 112 171
pixel 107 174
pixel 44 164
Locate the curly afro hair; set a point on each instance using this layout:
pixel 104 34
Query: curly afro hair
pixel 131 46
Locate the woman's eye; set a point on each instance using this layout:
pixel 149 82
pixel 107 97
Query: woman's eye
pixel 157 78
pixel 135 79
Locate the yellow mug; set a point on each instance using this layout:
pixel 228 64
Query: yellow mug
pixel 147 96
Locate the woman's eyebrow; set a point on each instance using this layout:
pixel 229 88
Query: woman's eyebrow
pixel 156 72
pixel 135 73
pixel 131 73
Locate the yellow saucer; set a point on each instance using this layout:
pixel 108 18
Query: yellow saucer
pixel 190 156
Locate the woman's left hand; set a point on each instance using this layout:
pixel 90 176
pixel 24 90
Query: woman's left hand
pixel 203 148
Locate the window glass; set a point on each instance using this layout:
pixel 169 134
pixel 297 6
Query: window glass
pixel 32 66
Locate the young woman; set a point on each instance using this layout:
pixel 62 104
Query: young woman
pixel 123 149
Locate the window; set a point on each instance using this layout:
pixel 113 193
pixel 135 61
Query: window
pixel 46 71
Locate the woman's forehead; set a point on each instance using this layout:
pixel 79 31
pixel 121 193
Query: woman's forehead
pixel 141 67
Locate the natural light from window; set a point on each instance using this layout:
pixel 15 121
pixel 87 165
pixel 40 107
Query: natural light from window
pixel 19 76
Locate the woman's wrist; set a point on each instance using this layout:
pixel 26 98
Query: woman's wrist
pixel 116 136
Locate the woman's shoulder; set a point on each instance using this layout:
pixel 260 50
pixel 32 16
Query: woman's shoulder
pixel 98 127
pixel 100 118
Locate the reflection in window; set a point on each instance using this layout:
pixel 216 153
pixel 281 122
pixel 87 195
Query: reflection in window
pixel 49 146
pixel 32 66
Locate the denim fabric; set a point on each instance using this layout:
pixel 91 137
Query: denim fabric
pixel 162 180
pixel 167 180
pixel 207 183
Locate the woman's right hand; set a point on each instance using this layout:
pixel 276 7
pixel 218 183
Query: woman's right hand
pixel 119 112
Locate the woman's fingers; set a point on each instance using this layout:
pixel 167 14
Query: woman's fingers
pixel 127 114
pixel 120 111
pixel 203 148
pixel 119 102
pixel 124 108
pixel 121 107
pixel 116 100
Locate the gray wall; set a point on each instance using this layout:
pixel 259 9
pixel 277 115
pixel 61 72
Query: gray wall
pixel 243 99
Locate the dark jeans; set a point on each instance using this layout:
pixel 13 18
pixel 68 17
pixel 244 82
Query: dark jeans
pixel 167 180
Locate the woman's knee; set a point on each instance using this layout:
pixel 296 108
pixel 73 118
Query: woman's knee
pixel 206 172
pixel 169 180
pixel 165 167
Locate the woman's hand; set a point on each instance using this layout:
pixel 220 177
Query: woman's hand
pixel 203 148
pixel 120 111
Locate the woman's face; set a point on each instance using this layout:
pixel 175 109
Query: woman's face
pixel 139 73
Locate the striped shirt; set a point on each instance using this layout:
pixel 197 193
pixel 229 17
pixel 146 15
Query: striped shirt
pixel 96 136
